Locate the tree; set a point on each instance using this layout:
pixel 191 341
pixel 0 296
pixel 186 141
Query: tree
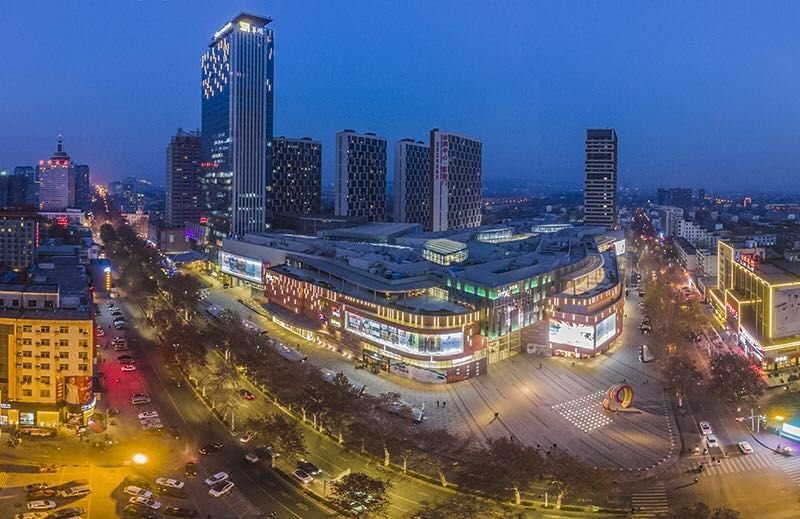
pixel 108 235
pixel 702 511
pixel 569 474
pixel 464 507
pixel 506 465
pixel 360 491
pixel 286 436
pixel 184 292
pixel 735 377
pixel 680 374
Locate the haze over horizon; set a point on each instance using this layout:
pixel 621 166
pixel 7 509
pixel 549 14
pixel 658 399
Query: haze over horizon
pixel 701 96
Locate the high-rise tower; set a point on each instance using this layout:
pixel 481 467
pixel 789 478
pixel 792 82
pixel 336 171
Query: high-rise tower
pixel 455 163
pixel 360 175
pixel 412 185
pixel 237 90
pixel 600 189
pixel 184 196
pixel 56 181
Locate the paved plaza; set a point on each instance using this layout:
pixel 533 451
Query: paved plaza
pixel 557 403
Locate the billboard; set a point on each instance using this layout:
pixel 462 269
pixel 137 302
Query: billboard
pixel 78 390
pixel 240 267
pixel 786 312
pixel 606 329
pixel 572 334
pixel 388 335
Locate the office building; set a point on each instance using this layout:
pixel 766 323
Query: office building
pixel 18 189
pixel 600 189
pixel 184 182
pixel 412 183
pixel 675 196
pixel 296 177
pixel 455 181
pixel 47 353
pixel 56 181
pixel 18 236
pixel 237 113
pixel 360 175
pixel 83 188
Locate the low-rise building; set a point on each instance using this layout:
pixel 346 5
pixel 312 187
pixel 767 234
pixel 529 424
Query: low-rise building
pixel 47 349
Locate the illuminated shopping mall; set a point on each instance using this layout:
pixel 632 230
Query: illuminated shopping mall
pixel 438 307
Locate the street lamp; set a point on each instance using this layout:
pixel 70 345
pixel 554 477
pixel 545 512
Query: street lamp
pixel 139 458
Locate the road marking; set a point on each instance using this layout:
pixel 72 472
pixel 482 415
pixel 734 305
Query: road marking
pixel 790 465
pixel 650 502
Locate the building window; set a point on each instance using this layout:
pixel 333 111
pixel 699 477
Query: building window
pixel 63 367
pixel 83 367
pixel 83 355
pixel 27 342
pixel 45 380
pixel 27 392
pixel 27 353
pixel 45 329
pixel 31 303
pixel 63 343
pixel 48 305
pixel 44 393
pixel 63 354
pixel 27 365
pixel 63 329
pixel 27 328
pixel 27 379
pixel 15 303
pixel 45 354
pixel 44 365
pixel 83 343
pixel 44 342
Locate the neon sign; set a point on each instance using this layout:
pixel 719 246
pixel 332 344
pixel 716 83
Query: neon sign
pixel 748 261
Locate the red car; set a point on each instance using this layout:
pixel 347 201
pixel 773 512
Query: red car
pixel 247 394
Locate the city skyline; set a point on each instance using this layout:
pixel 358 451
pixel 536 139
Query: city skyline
pixel 682 107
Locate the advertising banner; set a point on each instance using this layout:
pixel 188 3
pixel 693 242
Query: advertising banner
pixel 240 267
pixel 572 334
pixel 78 390
pixel 605 330
pixel 388 335
pixel 786 312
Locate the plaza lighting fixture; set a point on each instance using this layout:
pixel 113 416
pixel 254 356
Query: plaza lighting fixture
pixel 139 459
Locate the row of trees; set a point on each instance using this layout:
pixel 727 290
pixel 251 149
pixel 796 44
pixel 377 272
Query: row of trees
pixel 503 468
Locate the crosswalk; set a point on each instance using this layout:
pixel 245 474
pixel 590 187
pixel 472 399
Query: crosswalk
pixel 790 465
pixel 730 465
pixel 650 502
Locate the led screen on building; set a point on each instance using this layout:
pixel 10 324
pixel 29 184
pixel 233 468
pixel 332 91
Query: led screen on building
pixel 388 335
pixel 240 266
pixel 572 334
pixel 786 312
pixel 605 330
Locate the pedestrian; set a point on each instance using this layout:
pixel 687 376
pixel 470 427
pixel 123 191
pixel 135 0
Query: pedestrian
pixel 437 403
pixel 444 403
pixel 573 363
pixel 696 479
pixel 496 414
pixel 540 365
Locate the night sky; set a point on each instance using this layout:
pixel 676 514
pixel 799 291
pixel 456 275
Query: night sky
pixel 703 96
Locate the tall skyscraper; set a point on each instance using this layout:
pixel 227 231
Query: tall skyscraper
pixel 184 182
pixel 18 188
pixel 83 187
pixel 455 164
pixel 600 190
pixel 360 175
pixel 237 110
pixel 412 185
pixel 56 181
pixel 296 176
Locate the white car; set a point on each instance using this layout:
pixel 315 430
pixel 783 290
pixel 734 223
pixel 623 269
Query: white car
pixel 169 482
pixel 221 488
pixel 137 492
pixel 155 505
pixel 41 505
pixel 246 437
pixel 216 478
pixel 148 414
pixel 745 448
pixel 125 368
pixel 30 515
pixel 712 441
pixel 705 428
pixel 303 476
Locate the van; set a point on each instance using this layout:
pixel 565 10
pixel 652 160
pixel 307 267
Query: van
pixel 79 491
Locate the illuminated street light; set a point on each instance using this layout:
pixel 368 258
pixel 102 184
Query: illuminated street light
pixel 139 459
pixel 779 418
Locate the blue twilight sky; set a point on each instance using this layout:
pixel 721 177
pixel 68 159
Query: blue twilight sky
pixel 701 93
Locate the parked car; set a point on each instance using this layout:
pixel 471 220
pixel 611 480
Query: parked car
pixel 30 515
pixel 135 511
pixel 41 505
pixel 303 476
pixel 137 491
pixel 247 395
pixel 745 448
pixel 127 368
pixel 221 488
pixel 155 505
pixel 148 414
pixel 250 457
pixel 42 493
pixel 216 478
pixel 171 492
pixel 169 482
pixel 36 486
pixel 139 399
pixel 309 467
pixel 67 513
pixel 210 447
